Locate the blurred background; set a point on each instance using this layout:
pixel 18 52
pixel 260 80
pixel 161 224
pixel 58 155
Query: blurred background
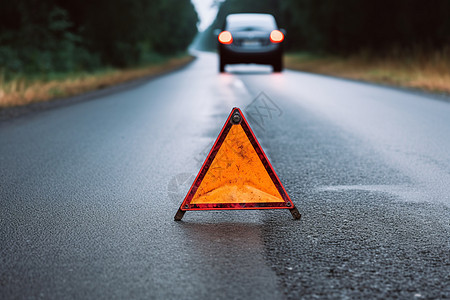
pixel 350 26
pixel 54 35
pixel 401 42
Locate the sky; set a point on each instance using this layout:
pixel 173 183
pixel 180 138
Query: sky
pixel 207 11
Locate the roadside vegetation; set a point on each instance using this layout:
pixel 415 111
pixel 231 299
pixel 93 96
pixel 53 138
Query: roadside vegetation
pixel 55 48
pixel 402 42
pixel 25 90
pixel 428 71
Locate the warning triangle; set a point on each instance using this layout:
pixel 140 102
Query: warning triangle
pixel 236 174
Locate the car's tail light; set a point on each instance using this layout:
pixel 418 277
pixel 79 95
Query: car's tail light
pixel 225 37
pixel 276 36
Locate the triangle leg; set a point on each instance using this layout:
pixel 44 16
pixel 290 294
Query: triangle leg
pixel 295 213
pixel 179 215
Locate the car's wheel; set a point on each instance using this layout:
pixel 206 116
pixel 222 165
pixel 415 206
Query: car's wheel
pixel 278 65
pixel 221 65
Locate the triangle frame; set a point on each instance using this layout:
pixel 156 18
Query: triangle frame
pixel 236 118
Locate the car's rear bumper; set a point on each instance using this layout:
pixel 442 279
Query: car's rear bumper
pixel 231 54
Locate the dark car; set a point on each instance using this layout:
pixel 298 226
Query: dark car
pixel 251 38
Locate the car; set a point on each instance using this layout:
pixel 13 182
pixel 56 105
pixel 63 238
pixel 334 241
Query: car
pixel 250 38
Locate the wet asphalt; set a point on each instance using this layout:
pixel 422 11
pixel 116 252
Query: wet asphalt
pixel 88 192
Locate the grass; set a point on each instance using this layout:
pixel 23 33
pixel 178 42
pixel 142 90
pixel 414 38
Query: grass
pixel 25 90
pixel 412 69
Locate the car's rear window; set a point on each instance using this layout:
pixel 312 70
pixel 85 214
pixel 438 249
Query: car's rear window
pixel 249 22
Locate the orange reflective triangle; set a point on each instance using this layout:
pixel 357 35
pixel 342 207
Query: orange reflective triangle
pixel 236 174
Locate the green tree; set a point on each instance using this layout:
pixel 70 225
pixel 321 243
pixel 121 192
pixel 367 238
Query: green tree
pixel 348 26
pixel 42 36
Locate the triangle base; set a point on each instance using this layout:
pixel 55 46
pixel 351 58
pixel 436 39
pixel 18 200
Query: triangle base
pixel 294 211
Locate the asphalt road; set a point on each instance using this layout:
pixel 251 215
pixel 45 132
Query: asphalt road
pixel 88 193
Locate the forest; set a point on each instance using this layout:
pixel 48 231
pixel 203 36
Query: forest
pixel 41 36
pixel 345 27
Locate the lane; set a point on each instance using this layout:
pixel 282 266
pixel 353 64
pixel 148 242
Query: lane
pixel 369 167
pixel 411 131
pixel 85 211
pixel 89 192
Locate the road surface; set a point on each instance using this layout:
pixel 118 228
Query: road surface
pixel 88 192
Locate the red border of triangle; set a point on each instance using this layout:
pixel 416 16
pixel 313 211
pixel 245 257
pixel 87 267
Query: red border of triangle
pixel 186 205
